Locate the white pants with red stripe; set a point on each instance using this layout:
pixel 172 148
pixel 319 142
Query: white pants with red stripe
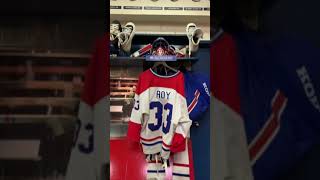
pixel 182 167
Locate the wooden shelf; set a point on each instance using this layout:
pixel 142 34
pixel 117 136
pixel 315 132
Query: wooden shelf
pixel 34 101
pixel 46 55
pixel 37 116
pixel 137 59
pixel 126 61
pixel 124 78
pixel 114 99
pixel 43 70
pixel 50 85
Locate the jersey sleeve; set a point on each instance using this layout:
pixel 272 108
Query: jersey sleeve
pixel 134 125
pixel 183 124
pixel 183 120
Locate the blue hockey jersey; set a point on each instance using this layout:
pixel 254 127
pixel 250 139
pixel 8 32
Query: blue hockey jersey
pixel 279 92
pixel 197 94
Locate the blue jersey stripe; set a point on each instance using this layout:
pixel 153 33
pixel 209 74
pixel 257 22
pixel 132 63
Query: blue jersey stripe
pixel 146 144
pixel 165 149
pixel 183 175
pixel 155 171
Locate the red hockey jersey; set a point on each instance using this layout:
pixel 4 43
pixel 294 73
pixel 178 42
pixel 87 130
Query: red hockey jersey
pixel 160 113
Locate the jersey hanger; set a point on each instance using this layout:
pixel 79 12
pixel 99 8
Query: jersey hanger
pixel 164 65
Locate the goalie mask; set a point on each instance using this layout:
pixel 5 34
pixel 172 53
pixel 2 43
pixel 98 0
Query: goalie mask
pixel 161 47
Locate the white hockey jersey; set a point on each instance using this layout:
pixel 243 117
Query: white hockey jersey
pixel 160 113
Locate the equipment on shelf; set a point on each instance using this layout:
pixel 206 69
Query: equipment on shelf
pixel 121 41
pixel 115 29
pixel 194 35
pixel 142 51
pixel 125 37
pixel 121 38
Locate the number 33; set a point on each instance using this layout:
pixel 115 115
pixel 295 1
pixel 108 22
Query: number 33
pixel 158 115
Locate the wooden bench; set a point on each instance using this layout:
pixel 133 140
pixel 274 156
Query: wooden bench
pixel 122 90
pixel 40 86
pixel 122 87
pixel 22 148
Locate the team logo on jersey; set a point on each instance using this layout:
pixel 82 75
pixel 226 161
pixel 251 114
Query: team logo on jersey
pixel 160 51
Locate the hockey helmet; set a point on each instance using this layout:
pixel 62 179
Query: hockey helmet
pixel 161 47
